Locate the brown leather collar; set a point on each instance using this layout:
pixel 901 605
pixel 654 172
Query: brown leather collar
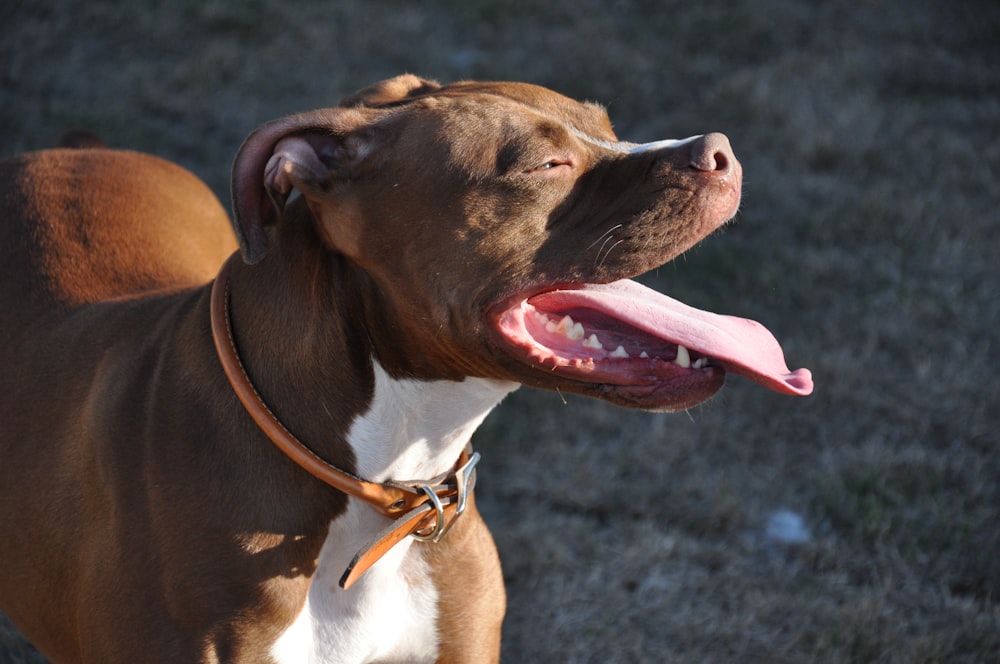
pixel 424 509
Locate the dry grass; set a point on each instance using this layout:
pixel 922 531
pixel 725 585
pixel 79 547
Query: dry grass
pixel 870 138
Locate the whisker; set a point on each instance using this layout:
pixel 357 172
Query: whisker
pixel 603 235
pixel 609 252
pixel 645 244
pixel 597 258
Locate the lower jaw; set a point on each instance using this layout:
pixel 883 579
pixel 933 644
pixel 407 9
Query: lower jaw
pixel 639 375
pixel 664 400
pixel 663 394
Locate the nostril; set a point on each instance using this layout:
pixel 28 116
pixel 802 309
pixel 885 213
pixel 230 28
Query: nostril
pixel 721 161
pixel 712 153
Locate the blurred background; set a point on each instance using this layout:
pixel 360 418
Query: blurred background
pixel 861 524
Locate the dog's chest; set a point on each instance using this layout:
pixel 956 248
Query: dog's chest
pixel 389 615
pixel 412 430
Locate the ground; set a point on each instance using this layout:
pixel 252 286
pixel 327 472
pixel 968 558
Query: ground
pixel 861 524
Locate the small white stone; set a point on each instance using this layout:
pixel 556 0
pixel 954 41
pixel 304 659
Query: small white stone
pixel 787 527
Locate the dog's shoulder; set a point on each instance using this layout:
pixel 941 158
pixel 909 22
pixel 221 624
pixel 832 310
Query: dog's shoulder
pixel 83 225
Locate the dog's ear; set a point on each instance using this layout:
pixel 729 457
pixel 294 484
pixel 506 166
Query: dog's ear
pixel 391 92
pixel 303 152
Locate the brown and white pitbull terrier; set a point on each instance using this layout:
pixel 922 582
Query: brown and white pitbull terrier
pixel 447 244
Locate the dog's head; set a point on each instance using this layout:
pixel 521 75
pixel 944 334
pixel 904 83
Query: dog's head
pixel 500 223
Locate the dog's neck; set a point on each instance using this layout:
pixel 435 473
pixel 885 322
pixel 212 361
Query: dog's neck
pixel 324 380
pixel 415 429
pixel 328 386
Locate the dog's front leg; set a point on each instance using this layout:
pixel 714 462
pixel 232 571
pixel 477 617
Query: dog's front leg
pixel 471 597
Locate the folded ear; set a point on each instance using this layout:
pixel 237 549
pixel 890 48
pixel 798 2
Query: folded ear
pixel 300 151
pixel 391 92
pixel 304 152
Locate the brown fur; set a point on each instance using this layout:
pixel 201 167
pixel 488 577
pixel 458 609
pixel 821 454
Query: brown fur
pixel 95 224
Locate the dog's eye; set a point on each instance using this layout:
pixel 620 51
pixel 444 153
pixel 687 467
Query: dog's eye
pixel 551 165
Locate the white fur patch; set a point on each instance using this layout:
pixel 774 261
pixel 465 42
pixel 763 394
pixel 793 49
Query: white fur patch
pixel 632 148
pixel 389 615
pixel 658 145
pixel 412 430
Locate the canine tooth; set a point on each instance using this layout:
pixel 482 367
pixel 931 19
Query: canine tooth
pixel 619 352
pixel 644 355
pixel 683 358
pixel 576 332
pixel 592 342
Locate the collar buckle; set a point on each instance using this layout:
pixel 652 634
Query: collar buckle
pixel 457 495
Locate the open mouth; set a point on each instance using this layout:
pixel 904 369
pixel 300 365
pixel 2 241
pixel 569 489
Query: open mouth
pixel 644 343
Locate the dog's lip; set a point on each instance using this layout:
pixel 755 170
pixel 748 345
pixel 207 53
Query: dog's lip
pixel 644 320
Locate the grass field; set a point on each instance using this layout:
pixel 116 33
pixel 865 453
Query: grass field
pixel 861 524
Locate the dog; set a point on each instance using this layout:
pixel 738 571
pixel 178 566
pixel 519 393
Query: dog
pixel 262 455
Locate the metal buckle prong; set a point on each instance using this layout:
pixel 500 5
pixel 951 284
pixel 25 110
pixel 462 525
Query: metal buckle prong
pixel 465 477
pixel 465 482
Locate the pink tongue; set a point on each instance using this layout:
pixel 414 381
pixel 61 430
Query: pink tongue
pixel 740 345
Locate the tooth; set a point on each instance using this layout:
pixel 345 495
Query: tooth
pixel 565 326
pixel 683 358
pixel 576 332
pixel 619 352
pixel 551 326
pixel 644 355
pixel 592 342
pixel 700 363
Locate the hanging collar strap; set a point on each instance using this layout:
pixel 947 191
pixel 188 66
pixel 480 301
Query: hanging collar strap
pixel 425 509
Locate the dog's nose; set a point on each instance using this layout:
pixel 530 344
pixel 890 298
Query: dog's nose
pixel 712 153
